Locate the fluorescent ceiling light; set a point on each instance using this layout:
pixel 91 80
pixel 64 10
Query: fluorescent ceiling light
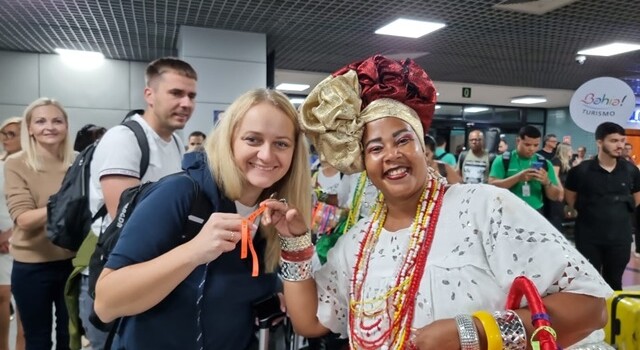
pixel 81 60
pixel 438 106
pixel 610 49
pixel 529 100
pixel 409 28
pixel 475 109
pixel 296 100
pixel 292 87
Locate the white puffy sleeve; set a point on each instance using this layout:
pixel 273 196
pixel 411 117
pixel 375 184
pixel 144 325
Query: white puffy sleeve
pixel 520 242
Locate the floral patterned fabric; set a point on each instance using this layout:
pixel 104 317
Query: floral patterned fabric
pixel 485 237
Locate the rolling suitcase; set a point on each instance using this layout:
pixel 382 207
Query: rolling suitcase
pixel 623 328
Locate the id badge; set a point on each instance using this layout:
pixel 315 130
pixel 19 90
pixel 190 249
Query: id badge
pixel 526 190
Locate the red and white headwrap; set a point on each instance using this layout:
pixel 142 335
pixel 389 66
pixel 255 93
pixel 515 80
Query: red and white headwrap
pixel 336 110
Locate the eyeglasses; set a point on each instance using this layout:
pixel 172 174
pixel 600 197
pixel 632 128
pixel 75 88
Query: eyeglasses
pixel 8 135
pixel 475 140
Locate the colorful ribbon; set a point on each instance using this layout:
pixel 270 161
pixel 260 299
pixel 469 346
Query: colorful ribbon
pixel 246 241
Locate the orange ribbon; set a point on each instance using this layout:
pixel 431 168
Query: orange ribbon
pixel 247 241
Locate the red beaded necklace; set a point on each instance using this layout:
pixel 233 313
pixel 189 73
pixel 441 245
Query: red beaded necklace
pixel 385 321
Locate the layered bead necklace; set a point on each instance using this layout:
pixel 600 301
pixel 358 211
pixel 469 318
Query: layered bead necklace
pixel 384 322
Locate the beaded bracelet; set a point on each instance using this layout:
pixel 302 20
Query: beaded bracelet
pixel 467 332
pixel 294 244
pixel 295 271
pixel 491 330
pixel 300 255
pixel 514 336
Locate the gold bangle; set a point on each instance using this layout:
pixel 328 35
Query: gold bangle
pixel 491 330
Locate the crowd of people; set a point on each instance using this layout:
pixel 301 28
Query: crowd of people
pixel 392 243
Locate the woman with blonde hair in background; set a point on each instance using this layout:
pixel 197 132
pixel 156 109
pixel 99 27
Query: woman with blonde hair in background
pixel 561 165
pixel 40 269
pixel 10 136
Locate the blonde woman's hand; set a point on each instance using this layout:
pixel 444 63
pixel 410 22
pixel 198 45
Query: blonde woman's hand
pixel 220 234
pixel 286 220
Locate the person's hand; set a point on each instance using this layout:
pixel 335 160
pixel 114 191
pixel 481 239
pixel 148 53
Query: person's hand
pixel 526 175
pixel 4 248
pixel 286 220
pixel 542 176
pixel 5 235
pixel 438 335
pixel 218 235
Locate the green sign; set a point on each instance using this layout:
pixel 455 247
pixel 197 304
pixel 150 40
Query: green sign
pixel 466 92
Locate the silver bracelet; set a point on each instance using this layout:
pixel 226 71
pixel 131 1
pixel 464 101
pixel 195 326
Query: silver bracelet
pixel 467 332
pixel 295 244
pixel 295 271
pixel 514 336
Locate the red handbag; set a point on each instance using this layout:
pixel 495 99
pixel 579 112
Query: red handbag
pixel 546 336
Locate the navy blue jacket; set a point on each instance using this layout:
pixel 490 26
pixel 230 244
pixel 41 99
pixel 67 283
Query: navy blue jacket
pixel 229 290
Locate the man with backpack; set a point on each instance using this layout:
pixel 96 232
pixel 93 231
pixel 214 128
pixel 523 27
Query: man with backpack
pixel 120 161
pixel 441 153
pixel 526 174
pixel 474 165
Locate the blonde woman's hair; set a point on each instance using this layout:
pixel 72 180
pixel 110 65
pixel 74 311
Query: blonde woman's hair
pixel 5 123
pixel 563 153
pixel 65 153
pixel 9 121
pixel 294 186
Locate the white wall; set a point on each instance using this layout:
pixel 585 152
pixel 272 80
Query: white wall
pixel 102 96
pixel 228 63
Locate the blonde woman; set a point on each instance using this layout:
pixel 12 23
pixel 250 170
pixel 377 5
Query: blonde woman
pixel 561 165
pixel 40 268
pixel 256 151
pixel 10 136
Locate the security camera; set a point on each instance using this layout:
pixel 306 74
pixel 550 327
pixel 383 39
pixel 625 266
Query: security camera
pixel 581 59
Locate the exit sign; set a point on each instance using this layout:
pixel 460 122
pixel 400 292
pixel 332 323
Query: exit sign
pixel 466 92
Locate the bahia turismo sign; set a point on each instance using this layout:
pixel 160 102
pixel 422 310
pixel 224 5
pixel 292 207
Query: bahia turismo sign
pixel 602 100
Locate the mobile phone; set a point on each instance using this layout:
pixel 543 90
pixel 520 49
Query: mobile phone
pixel 537 165
pixel 267 310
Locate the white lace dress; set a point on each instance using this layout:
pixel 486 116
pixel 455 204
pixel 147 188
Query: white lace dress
pixel 485 237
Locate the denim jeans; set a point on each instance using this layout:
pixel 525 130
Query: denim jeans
pixel 37 288
pixel 95 336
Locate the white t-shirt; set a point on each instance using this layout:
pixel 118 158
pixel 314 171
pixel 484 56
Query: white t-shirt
pixel 329 184
pixel 118 153
pixel 348 189
pixel 474 169
pixel 484 238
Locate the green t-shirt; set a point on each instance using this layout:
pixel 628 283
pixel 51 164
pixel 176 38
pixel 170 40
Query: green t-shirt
pixel 447 158
pixel 516 165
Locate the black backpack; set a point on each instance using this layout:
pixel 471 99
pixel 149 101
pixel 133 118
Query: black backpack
pixel 68 215
pixel 201 209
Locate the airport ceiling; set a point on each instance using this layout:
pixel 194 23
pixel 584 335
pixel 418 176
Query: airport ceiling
pixel 480 44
